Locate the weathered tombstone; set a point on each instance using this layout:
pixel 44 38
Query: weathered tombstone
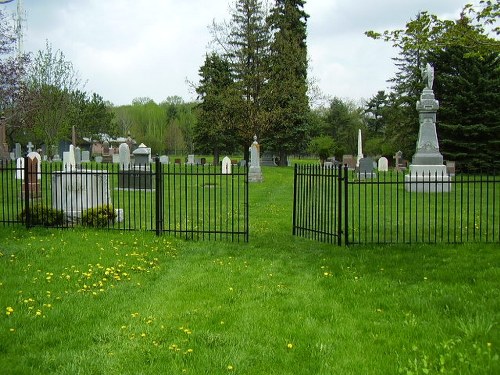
pixel 268 159
pixel 139 176
pixel 34 174
pixel 115 158
pixel 98 159
pixel 450 168
pixel 124 156
pixel 164 159
pixel 78 156
pixel 73 193
pixel 30 147
pixel 328 165
pixel 190 160
pixel 85 156
pixel 254 171
pixel 226 165
pixel 366 169
pixel 398 161
pixel 106 155
pixel 69 161
pixel 350 161
pixel 242 163
pixel 383 164
pixel 18 151
pixel 177 161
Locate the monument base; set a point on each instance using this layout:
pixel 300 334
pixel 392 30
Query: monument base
pixel 255 174
pixel 428 179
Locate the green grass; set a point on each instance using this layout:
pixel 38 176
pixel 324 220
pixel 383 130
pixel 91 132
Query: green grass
pixel 111 302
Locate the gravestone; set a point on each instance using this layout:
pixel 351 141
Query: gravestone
pixel 427 171
pixel 450 168
pixel 366 169
pixel 74 192
pixel 226 165
pixel 398 161
pixel 78 156
pixel 98 159
pixel 350 161
pixel 85 156
pixel 164 159
pixel 20 168
pixel 34 175
pixel 254 171
pixel 18 151
pixel 190 160
pixel 383 164
pixel 268 159
pixel 106 154
pixel 124 156
pixel 139 175
pixel 69 160
pixel 30 147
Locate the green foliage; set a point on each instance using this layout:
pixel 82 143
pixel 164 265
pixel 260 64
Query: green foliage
pixel 99 217
pixel 40 214
pixel 323 146
pixel 286 89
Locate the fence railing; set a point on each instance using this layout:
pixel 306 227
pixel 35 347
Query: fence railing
pixel 192 201
pixel 389 208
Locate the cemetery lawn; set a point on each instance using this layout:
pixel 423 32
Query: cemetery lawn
pixel 112 302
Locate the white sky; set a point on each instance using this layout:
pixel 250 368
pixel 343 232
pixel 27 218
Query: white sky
pixel 125 49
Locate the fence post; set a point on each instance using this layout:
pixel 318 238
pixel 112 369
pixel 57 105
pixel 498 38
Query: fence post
pixel 26 194
pixel 339 206
pixel 294 218
pixel 159 196
pixel 346 205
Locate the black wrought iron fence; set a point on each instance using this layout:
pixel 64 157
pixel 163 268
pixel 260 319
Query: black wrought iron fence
pixel 192 201
pixel 338 205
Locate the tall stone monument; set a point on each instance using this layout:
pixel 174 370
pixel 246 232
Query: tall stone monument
pixel 360 148
pixel 427 171
pixel 254 171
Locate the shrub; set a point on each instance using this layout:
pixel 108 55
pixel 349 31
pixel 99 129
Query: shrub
pixel 43 215
pixel 99 217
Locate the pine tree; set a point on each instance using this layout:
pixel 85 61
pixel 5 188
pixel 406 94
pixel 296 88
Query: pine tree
pixel 286 92
pixel 214 131
pixel 469 115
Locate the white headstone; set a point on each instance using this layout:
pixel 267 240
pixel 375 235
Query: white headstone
pixel 69 162
pixel 20 168
pixel 383 164
pixel 164 159
pixel 254 171
pixel 190 159
pixel 226 165
pixel 124 156
pixel 85 156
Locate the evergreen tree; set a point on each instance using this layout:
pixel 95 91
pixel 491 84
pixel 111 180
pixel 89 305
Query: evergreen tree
pixel 214 131
pixel 246 48
pixel 469 114
pixel 286 91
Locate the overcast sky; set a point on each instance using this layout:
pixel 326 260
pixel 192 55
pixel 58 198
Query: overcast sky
pixel 125 49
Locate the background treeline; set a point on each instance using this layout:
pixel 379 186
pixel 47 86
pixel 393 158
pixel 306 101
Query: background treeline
pixel 254 81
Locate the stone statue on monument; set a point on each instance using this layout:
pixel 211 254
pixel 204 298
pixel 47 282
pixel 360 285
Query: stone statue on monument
pixel 428 75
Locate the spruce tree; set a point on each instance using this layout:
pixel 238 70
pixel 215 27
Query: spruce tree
pixel 286 91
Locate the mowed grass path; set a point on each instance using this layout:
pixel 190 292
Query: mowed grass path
pixel 107 302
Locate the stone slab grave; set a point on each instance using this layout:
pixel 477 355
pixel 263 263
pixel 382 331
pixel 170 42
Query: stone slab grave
pixel 350 161
pixel 137 176
pixel 85 156
pixel 383 164
pixel 366 169
pixel 268 160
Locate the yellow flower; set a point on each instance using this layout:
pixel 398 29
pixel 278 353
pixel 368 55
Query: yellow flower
pixel 230 367
pixel 9 310
pixel 290 345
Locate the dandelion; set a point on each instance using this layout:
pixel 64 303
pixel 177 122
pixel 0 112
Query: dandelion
pixel 9 310
pixel 289 345
pixel 230 367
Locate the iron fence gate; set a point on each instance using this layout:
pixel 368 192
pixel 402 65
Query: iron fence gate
pixel 192 201
pixel 338 205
